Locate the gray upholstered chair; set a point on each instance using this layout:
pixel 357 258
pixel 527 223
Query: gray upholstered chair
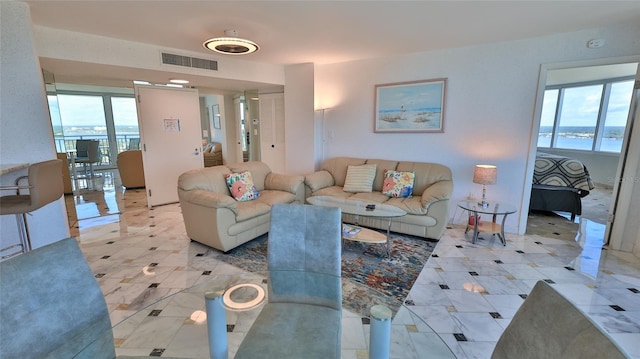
pixel 88 151
pixel 302 318
pixel 52 306
pixel 44 186
pixel 547 325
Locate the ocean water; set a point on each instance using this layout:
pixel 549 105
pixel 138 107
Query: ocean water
pixel 579 143
pixel 581 137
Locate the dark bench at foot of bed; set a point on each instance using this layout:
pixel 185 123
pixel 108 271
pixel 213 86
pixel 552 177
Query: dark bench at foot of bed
pixel 554 198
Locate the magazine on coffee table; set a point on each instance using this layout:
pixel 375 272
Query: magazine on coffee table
pixel 350 231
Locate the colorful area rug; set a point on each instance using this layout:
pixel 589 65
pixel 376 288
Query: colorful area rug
pixel 369 277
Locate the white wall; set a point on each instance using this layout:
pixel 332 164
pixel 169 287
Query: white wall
pixel 26 135
pixel 490 101
pixel 299 119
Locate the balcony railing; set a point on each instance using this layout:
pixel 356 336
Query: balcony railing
pixel 123 143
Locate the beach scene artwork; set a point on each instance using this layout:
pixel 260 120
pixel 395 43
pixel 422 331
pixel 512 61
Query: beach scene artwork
pixel 410 106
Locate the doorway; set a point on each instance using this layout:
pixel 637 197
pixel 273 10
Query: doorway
pixel 171 131
pixel 109 118
pixel 247 126
pixel 583 116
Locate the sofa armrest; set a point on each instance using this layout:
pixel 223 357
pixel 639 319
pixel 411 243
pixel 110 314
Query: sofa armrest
pixel 319 180
pixel 209 199
pixel 438 191
pixel 280 182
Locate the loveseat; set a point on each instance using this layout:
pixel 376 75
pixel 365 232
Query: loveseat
pixel 427 203
pixel 212 216
pixel 212 154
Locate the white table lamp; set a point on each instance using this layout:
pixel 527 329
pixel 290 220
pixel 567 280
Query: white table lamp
pixel 484 175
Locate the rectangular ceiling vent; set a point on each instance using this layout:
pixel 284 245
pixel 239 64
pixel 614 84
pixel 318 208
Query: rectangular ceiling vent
pixel 179 60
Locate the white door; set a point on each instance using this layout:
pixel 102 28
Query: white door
pixel 272 143
pixel 622 234
pixel 171 137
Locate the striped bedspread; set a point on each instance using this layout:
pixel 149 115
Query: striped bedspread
pixel 561 171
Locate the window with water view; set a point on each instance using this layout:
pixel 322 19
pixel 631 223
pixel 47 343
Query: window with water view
pixel 110 119
pixel 589 117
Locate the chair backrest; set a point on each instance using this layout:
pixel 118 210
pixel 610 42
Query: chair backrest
pixel 66 174
pixel 89 150
pixel 547 325
pixel 45 182
pixel 304 255
pixel 52 306
pixel 134 144
pixel 131 169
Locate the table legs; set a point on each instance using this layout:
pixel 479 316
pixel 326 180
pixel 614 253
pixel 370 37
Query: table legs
pixel 388 242
pixel 370 236
pixel 476 231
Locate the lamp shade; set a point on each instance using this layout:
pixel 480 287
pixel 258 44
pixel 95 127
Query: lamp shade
pixel 485 174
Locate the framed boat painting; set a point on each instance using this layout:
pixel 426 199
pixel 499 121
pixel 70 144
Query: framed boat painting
pixel 416 106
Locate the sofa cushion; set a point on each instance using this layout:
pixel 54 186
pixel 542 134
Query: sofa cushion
pixel 360 178
pixel 338 167
pixel 241 186
pixel 334 191
pixel 210 179
pixel 209 199
pixel 251 209
pixel 426 174
pixel 398 184
pixel 318 180
pixel 411 205
pixel 272 197
pixel 259 171
pixel 280 182
pixel 381 165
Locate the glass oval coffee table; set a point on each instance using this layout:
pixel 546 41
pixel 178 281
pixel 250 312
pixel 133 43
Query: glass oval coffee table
pixel 176 325
pixel 359 208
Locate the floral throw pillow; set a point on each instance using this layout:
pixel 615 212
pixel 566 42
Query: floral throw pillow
pixel 398 184
pixel 241 186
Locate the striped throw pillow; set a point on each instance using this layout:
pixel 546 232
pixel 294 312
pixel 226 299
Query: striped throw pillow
pixel 360 178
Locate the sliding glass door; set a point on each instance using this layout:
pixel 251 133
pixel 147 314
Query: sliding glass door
pixel 108 118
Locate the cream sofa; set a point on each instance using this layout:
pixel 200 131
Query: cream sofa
pixel 214 218
pixel 427 208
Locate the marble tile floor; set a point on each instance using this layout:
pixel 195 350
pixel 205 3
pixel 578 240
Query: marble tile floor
pixel 466 293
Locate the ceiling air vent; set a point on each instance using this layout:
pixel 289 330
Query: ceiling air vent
pixel 204 64
pixel 179 60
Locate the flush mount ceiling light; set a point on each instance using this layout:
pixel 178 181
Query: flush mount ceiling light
pixel 179 81
pixel 231 44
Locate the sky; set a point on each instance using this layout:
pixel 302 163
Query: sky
pixel 581 105
pixel 79 110
pixel 411 96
